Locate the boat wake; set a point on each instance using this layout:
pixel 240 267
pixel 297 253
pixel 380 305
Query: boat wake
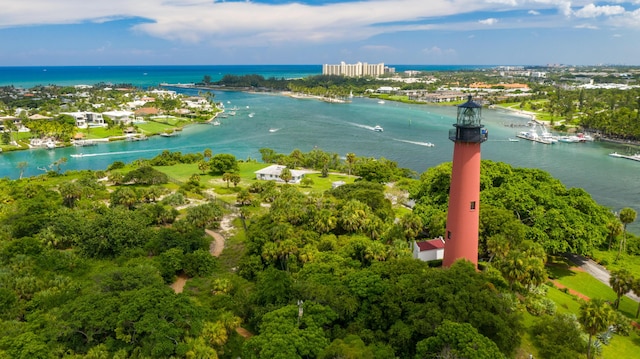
pixel 111 153
pixel 129 152
pixel 425 144
pixel 370 128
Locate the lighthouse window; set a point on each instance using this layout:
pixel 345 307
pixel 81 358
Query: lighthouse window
pixel 473 205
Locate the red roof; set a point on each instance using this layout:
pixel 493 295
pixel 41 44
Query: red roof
pixel 431 245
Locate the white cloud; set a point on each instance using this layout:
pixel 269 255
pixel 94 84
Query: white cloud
pixel 489 21
pixel 586 26
pixel 629 20
pixel 591 11
pixel 242 23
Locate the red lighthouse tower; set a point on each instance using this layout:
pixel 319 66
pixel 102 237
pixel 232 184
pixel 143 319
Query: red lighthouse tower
pixel 463 218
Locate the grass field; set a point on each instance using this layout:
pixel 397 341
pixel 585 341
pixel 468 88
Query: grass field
pixel 153 128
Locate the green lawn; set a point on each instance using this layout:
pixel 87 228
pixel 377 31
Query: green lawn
pixel 565 303
pixel 152 128
pixel 100 132
pixel 622 347
pixel 608 259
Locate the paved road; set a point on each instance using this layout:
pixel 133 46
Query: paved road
pixel 597 271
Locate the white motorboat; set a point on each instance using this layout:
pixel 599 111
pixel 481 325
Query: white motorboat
pixel 378 128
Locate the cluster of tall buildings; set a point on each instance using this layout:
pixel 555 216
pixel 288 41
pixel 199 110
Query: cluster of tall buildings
pixel 359 69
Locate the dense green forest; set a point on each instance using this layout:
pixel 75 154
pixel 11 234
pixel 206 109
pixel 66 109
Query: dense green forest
pixel 87 259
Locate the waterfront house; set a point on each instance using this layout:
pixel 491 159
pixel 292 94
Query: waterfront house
pixel 272 173
pixel 87 119
pixel 387 89
pixel 430 250
pixel 119 117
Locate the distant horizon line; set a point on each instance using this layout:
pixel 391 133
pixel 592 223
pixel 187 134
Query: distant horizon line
pixel 320 64
pixel 315 64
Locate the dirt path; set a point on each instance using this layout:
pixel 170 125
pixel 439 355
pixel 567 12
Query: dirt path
pixel 178 285
pixel 244 333
pixel 217 245
pixel 215 248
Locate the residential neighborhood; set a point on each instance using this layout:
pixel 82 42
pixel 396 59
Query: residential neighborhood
pixel 54 116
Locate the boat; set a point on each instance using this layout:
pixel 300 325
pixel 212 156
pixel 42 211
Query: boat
pixel 251 114
pixel 547 136
pixel 381 102
pixel 378 128
pixel 635 157
pixel 273 130
pixel 216 123
pixel 513 139
pixel 169 134
pixel 137 138
pixel 569 139
pixel 76 155
pixel 585 137
pixel 532 135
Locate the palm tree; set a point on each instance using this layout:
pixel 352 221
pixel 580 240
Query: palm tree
pixel 614 229
pixel 22 166
pixel 207 154
pixel 621 281
pixel 635 288
pixel 285 175
pixel 627 215
pixel 203 166
pixel 351 159
pixel 70 192
pixel 513 267
pixel 595 317
pixel 324 221
pixel 297 157
pixel 227 178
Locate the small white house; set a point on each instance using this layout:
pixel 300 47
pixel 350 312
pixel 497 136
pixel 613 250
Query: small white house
pixel 429 250
pixel 272 173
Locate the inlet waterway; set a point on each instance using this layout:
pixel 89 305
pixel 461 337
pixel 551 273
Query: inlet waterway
pixel 284 124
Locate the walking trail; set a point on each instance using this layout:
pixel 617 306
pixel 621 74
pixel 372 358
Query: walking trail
pixel 597 271
pixel 215 248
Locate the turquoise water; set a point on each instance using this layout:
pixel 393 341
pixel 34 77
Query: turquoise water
pixel 343 128
pixel 146 76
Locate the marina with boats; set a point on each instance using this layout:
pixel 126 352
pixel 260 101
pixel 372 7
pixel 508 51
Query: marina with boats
pixel 548 138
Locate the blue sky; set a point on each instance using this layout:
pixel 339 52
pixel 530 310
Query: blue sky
pixel 213 32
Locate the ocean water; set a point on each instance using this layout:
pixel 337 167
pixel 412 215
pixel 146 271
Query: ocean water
pixel 147 76
pixel 285 124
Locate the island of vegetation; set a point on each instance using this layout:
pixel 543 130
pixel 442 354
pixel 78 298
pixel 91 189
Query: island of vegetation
pixel 190 256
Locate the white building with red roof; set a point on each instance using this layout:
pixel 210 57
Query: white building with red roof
pixel 430 250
